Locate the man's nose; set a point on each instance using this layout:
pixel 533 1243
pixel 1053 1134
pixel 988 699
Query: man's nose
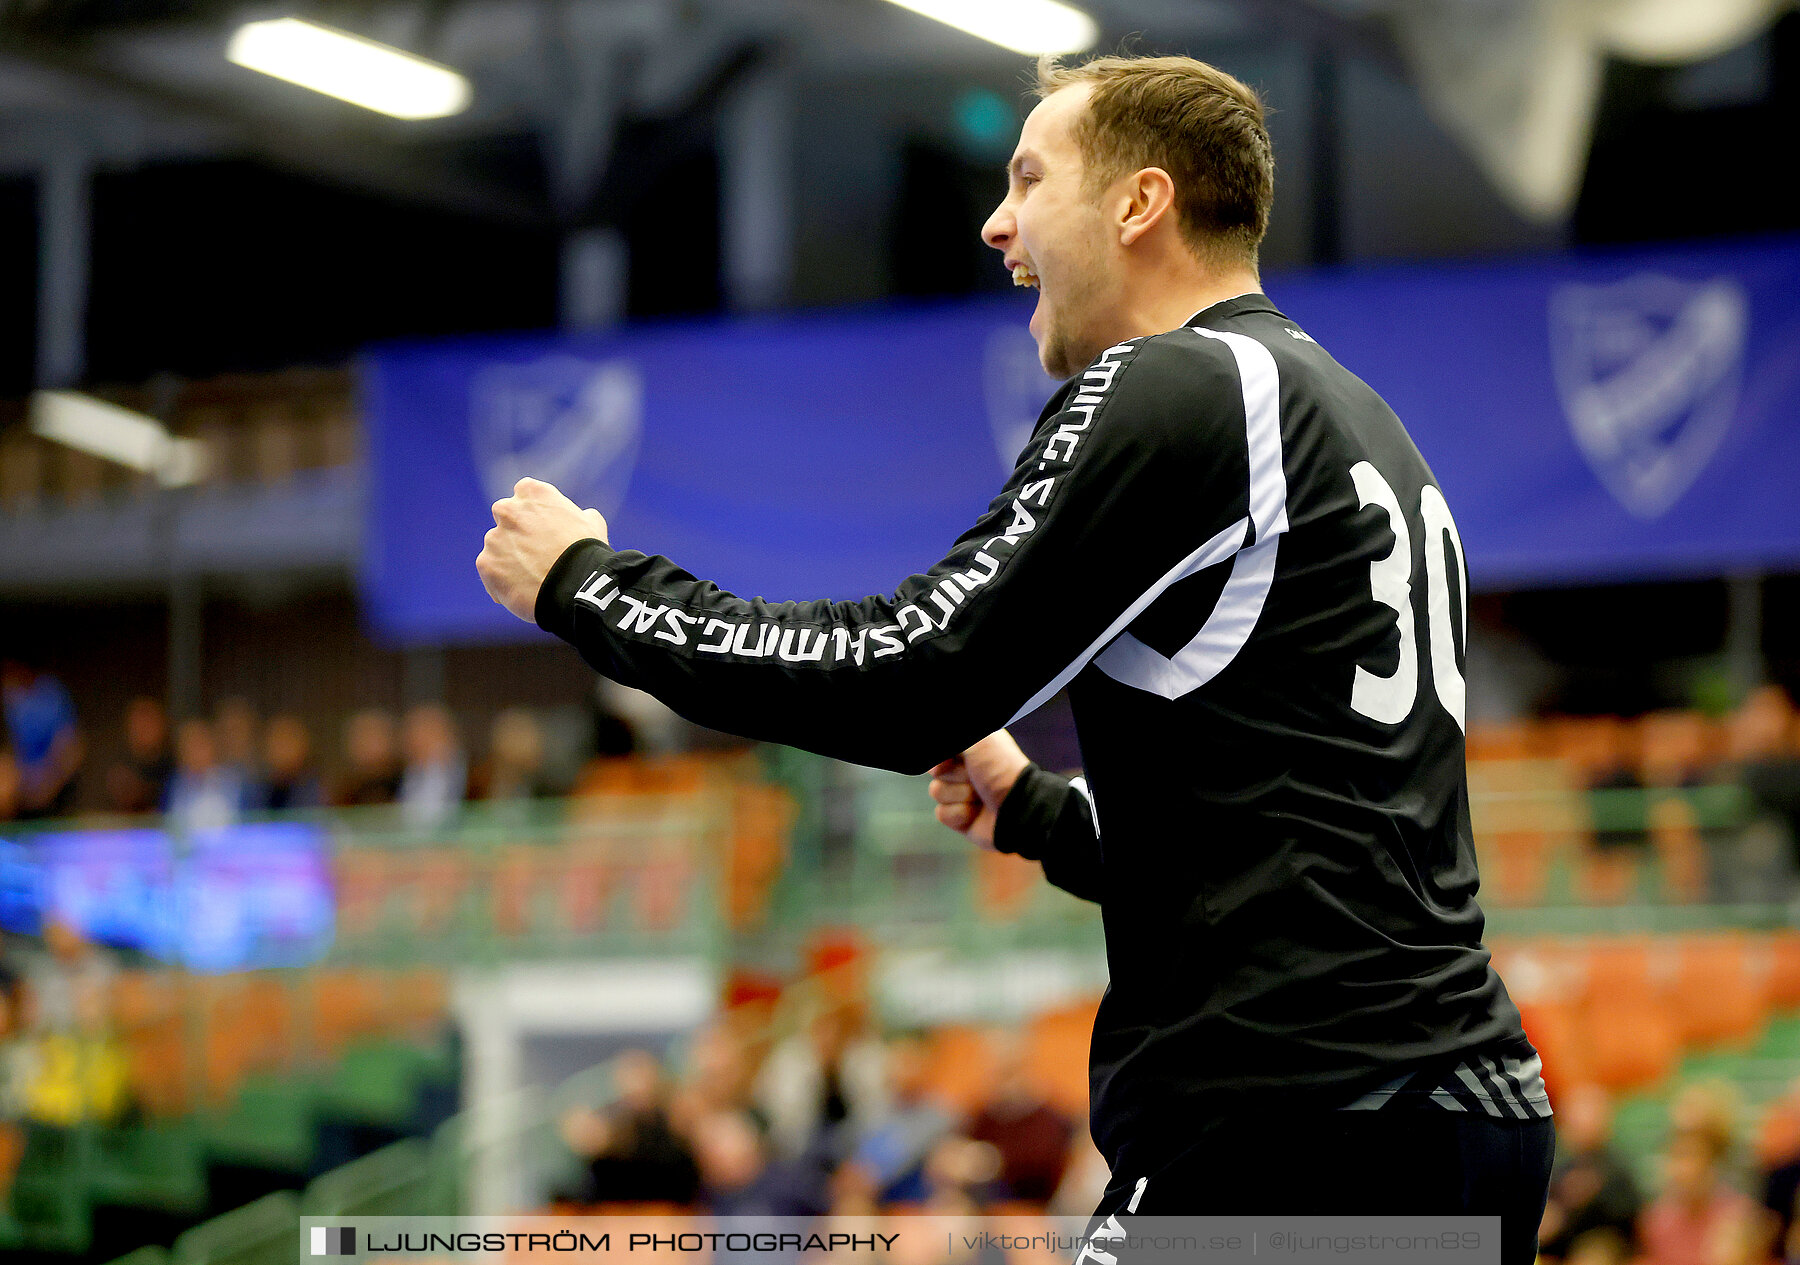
pixel 998 231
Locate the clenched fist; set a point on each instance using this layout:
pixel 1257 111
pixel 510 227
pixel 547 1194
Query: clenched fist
pixel 968 788
pixel 532 527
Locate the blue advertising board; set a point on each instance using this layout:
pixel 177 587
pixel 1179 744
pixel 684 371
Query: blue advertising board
pixel 1618 415
pixel 257 894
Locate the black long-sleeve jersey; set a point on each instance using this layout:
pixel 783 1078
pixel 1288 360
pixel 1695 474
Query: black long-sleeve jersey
pixel 1228 550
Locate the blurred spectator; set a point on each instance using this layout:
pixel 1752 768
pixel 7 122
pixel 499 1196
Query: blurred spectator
pixel 1031 1136
pixel 46 745
pixel 289 779
pixel 1591 1187
pixel 737 1178
pixel 9 784
pixel 235 727
pixel 140 782
pixel 853 1191
pixel 1698 1215
pixel 204 794
pixel 64 976
pixel 1600 1247
pixel 822 1080
pixel 961 1176
pixel 633 1154
pixel 721 1077
pixel 436 778
pixel 371 759
pixel 1778 1154
pixel 82 1073
pixel 16 1074
pixel 894 1146
pixel 15 1056
pixel 1085 1177
pixel 516 758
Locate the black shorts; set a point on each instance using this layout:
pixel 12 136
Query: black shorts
pixel 1357 1163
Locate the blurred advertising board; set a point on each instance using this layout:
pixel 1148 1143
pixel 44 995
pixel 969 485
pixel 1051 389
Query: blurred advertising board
pixel 252 895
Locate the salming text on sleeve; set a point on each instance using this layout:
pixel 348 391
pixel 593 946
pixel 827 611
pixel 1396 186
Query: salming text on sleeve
pixel 1139 474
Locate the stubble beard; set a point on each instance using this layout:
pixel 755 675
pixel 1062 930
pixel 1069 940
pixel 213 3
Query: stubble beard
pixel 1061 352
pixel 1066 349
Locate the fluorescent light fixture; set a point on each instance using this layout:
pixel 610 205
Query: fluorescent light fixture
pixel 350 68
pixel 117 434
pixel 1025 26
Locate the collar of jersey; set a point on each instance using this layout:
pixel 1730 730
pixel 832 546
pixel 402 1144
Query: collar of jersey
pixel 1248 301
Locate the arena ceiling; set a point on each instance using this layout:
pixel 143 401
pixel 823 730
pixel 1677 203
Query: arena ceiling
pixel 121 82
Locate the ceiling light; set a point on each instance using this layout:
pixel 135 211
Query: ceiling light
pixel 350 68
pixel 117 434
pixel 1025 26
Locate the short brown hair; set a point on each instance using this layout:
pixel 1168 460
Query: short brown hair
pixel 1197 123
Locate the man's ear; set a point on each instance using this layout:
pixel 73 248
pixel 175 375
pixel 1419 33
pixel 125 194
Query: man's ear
pixel 1148 196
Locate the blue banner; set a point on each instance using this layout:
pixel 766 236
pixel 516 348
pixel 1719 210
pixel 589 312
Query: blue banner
pixel 1597 417
pixel 247 896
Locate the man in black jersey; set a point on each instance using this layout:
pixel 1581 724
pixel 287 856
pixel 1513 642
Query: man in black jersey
pixel 1228 551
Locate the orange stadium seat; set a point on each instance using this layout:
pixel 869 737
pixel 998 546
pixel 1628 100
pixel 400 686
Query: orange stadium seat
pixel 1058 1061
pixel 1609 876
pixel 961 1067
pixel 761 816
pixel 1680 852
pixel 1677 745
pixel 1587 744
pixel 227 1045
pixel 1716 993
pixel 1510 740
pixel 1555 1031
pixel 1628 1042
pixel 343 1005
pixel 419 1002
pixel 1004 883
pixel 1515 866
pixel 149 1013
pixel 1784 969
pixel 1617 969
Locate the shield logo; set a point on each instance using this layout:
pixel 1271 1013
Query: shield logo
pixel 575 423
pixel 1648 370
pixel 1012 383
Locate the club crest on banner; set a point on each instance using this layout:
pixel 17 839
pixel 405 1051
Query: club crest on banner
pixel 1648 370
pixel 1015 388
pixel 575 423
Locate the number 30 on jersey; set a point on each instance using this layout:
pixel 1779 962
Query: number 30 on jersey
pixel 1389 699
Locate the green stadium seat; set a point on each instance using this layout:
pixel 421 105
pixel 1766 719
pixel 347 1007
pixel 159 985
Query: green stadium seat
pixel 157 1165
pixel 150 1254
pixel 1781 1039
pixel 375 1082
pixel 266 1232
pixel 47 1208
pixel 269 1124
pixel 402 1180
pixel 1621 811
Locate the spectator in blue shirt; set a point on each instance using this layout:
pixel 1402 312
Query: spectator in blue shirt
pixel 46 745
